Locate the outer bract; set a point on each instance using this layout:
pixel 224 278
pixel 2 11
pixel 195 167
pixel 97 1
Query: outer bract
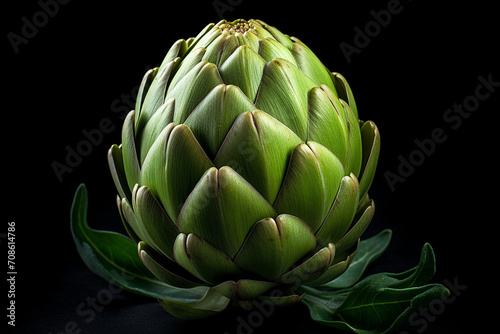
pixel 244 167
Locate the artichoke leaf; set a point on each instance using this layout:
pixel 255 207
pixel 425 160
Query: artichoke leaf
pixel 117 168
pixel 339 266
pixel 278 35
pixel 327 125
pixel 311 66
pixel 205 306
pixel 311 183
pixel 244 289
pixel 222 208
pixel 143 90
pixel 178 49
pixel 274 245
pixel 155 221
pixel 173 166
pixel 354 143
pixel 206 34
pixel 114 257
pixel 129 152
pixel 192 88
pixel 137 225
pixel 311 269
pixel 128 214
pixel 248 39
pixel 341 213
pixel 155 96
pixel 187 64
pixel 270 49
pixel 153 169
pixel 243 69
pixel 371 149
pixel 163 116
pixel 359 226
pixel 224 43
pixel 283 95
pixel 130 231
pixel 369 250
pixel 258 147
pixel 186 163
pixel 212 118
pixel 166 270
pixel 231 44
pixel 213 51
pixel 204 38
pixel 202 259
pixel 262 32
pixel 344 91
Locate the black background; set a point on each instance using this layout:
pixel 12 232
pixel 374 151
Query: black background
pixel 85 61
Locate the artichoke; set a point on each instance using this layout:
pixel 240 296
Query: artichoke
pixel 244 168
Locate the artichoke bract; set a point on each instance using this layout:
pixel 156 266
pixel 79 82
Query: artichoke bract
pixel 244 167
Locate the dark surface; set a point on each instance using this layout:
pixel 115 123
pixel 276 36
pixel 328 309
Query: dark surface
pixel 82 65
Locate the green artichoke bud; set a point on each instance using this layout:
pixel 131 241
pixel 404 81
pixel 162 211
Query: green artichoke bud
pixel 244 166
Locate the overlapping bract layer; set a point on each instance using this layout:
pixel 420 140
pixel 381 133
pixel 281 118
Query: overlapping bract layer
pixel 239 166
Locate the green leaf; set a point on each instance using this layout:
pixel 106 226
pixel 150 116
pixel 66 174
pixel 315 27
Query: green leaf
pixel 310 65
pixel 155 95
pixel 245 289
pixel 369 250
pixel 341 213
pixel 128 215
pixel 243 69
pixel 312 268
pixel 214 50
pixel 283 94
pixel 167 271
pixel 344 91
pixel 381 303
pixel 187 64
pixel 213 116
pixel 204 37
pixel 270 49
pixel 117 169
pixel 354 144
pixel 250 39
pixel 370 137
pixel 111 255
pixel 327 124
pixel 173 166
pixel 274 245
pixel 258 147
pixel 130 231
pixel 361 222
pixel 202 259
pixel 178 49
pixel 160 229
pixel 129 152
pixel 311 183
pixel 143 90
pixel 280 37
pixel 260 29
pixel 222 208
pixel 208 305
pixel 115 258
pixel 336 269
pixel 160 119
pixel 192 88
